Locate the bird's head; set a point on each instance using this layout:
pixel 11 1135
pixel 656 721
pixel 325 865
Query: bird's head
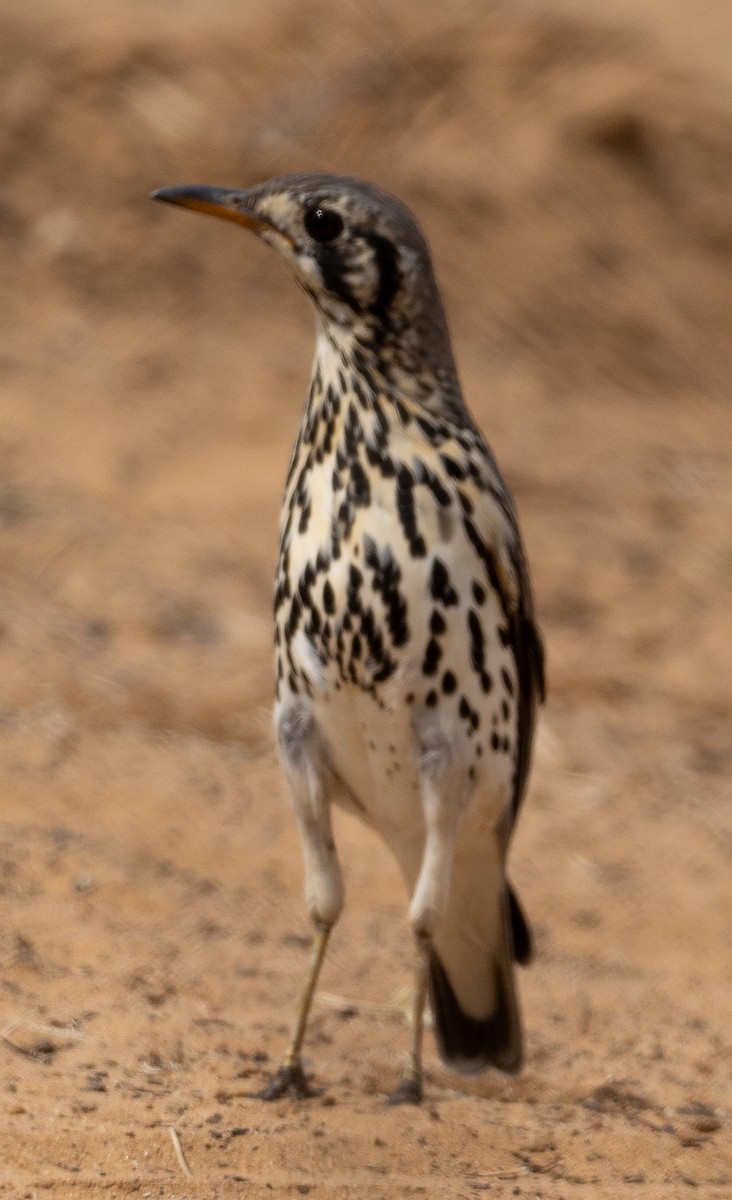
pixel 357 251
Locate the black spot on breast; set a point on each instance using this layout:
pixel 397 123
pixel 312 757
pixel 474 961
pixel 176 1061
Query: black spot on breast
pixel 488 559
pixel 449 683
pixel 432 656
pixel 507 681
pixel 358 384
pixel 387 668
pixel 428 429
pixel 305 517
pixel 441 588
pixel 477 646
pixel 385 582
pixel 397 619
pixel 361 489
pixel 313 627
pixel 379 446
pixel 438 624
pixel 342 524
pixel 402 412
pixel 479 593
pixel 469 714
pixel 282 591
pixel 453 468
pixel 353 433
pixel 353 599
pixel 328 598
pixel 370 553
pixel 407 513
pixel 293 618
pixel 424 475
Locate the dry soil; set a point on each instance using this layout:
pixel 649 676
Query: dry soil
pixel 574 175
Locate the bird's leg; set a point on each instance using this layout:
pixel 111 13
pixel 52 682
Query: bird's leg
pixel 444 796
pixel 409 1088
pixel 324 895
pixel 290 1079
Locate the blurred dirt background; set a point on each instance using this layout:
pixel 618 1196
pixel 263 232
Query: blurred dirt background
pixel 574 175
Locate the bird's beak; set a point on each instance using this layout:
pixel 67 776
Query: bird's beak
pixel 217 202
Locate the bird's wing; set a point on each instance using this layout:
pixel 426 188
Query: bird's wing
pixel 493 528
pixel 528 652
pixel 468 467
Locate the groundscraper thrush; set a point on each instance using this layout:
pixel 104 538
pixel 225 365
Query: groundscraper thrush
pixel 408 663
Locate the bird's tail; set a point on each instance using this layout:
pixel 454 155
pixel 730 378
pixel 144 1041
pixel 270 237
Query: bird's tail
pixel 472 987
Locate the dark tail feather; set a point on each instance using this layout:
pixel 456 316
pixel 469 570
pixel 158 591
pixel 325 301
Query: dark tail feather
pixel 523 942
pixel 471 1045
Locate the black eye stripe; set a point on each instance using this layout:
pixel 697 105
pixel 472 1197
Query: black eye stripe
pixel 387 266
pixel 323 224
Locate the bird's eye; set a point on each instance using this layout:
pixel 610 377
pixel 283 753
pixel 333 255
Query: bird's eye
pixel 323 224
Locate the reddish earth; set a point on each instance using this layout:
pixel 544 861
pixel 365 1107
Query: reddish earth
pixel 574 176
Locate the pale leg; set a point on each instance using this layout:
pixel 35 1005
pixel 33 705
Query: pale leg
pixel 324 895
pixel 409 1088
pixel 444 796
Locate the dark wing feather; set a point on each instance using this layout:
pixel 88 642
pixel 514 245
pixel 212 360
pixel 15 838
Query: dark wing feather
pixel 521 936
pixel 528 651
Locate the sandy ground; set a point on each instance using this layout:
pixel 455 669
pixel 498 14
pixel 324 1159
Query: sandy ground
pixel 574 177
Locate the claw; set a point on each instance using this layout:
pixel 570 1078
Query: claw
pixel 289 1081
pixel 407 1091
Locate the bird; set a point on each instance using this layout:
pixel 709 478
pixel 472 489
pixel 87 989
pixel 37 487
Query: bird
pixel 409 665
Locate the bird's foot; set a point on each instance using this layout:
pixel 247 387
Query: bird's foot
pixel 407 1091
pixel 289 1080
